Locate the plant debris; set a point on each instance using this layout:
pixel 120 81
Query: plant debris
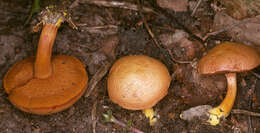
pixel 178 33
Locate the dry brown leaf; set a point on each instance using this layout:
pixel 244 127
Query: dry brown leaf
pixel 175 5
pixel 246 31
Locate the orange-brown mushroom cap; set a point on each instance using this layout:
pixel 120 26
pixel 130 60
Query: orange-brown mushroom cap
pixel 138 82
pixel 45 96
pixel 229 57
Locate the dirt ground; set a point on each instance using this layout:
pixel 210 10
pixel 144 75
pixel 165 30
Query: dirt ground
pixel 179 36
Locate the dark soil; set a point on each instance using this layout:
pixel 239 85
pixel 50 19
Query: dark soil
pixel 86 116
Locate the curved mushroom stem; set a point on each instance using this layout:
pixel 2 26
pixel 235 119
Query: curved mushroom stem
pixel 51 17
pixel 42 66
pixel 149 113
pixel 225 107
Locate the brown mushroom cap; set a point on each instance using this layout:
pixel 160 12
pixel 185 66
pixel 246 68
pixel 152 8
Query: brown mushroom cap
pixel 45 96
pixel 138 82
pixel 229 57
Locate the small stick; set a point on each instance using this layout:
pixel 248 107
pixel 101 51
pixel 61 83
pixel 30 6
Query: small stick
pixel 250 93
pixel 196 7
pixel 140 7
pixel 228 27
pixel 113 3
pixel 178 61
pixel 97 27
pixel 256 74
pixel 108 50
pixel 153 36
pixel 97 77
pixel 250 128
pixel 245 112
pixel 74 4
pixel 93 116
pixel 110 118
pixel 174 74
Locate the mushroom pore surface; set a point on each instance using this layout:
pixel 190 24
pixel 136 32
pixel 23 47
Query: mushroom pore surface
pixel 45 96
pixel 138 82
pixel 229 57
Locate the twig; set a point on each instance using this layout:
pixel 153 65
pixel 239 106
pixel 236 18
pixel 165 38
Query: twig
pixel 116 4
pixel 250 93
pixel 110 118
pixel 256 74
pixel 74 4
pixel 153 37
pixel 196 7
pixel 141 10
pixel 97 77
pixel 178 61
pixel 250 128
pixel 105 29
pixel 174 74
pixel 245 112
pixel 228 27
pixel 93 116
pixel 97 27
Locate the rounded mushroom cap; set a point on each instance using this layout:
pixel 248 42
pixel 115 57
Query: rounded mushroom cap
pixel 138 82
pixel 229 57
pixel 45 96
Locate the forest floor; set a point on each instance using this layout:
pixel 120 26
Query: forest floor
pixel 177 38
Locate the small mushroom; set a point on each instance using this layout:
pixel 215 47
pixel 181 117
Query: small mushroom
pixel 45 84
pixel 228 58
pixel 138 82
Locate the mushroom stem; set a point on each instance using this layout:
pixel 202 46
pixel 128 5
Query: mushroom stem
pixel 149 113
pixel 225 107
pixel 42 66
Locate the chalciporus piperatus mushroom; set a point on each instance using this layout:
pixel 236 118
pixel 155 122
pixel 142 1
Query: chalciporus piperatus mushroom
pixel 44 84
pixel 138 82
pixel 228 58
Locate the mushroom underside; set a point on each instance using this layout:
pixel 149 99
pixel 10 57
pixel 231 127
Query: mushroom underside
pixel 44 96
pixel 54 109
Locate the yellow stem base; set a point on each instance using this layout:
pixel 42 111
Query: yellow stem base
pixel 149 113
pixel 223 110
pixel 215 115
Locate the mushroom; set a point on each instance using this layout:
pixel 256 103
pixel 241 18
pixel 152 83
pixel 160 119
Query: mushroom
pixel 44 84
pixel 138 82
pixel 228 58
